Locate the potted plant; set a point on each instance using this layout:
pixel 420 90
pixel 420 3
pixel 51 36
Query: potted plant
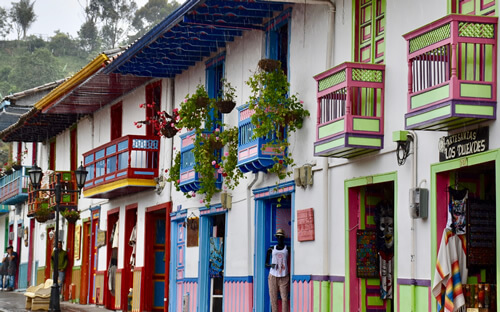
pixel 276 112
pixel 7 167
pixel 164 124
pixel 43 212
pixel 225 103
pixel 195 109
pixel 72 215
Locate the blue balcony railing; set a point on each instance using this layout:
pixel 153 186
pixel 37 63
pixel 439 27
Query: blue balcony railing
pixel 14 187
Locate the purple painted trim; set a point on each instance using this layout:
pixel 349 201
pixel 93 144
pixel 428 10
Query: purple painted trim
pixel 328 278
pixel 349 149
pixel 413 281
pixel 452 115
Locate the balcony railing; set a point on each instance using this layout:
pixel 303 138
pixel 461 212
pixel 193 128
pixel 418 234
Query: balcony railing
pixel 452 73
pixel 350 110
pixel 4 209
pixel 254 155
pixel 14 187
pixel 189 180
pixel 126 165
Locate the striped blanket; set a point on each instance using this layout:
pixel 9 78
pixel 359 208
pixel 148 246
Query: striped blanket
pixel 451 273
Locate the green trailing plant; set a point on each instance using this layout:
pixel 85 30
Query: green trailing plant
pixel 209 141
pixel 226 102
pixel 276 115
pixel 71 215
pixel 43 212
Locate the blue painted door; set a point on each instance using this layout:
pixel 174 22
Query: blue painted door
pixel 179 265
pixel 278 215
pixel 159 265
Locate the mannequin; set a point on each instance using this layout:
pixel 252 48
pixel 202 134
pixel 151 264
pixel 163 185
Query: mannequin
pixel 385 245
pixel 279 279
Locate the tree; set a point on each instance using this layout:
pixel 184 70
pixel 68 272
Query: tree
pixel 153 12
pixel 89 33
pixel 5 26
pixel 34 69
pixel 61 44
pixel 23 15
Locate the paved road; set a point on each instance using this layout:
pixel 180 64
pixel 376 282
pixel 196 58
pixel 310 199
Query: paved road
pixel 12 301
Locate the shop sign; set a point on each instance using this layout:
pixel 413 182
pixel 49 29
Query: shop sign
pixel 463 144
pixel 101 238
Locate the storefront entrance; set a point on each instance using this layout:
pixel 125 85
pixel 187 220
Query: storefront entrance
pixel 465 206
pixel 371 244
pixel 273 212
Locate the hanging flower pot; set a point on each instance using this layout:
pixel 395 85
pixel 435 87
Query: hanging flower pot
pixel 169 132
pixel 202 102
pixel 225 107
pixel 17 167
pixel 269 65
pixel 44 217
pixel 8 171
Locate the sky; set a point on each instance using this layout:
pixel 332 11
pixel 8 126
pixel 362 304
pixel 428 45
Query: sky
pixel 64 15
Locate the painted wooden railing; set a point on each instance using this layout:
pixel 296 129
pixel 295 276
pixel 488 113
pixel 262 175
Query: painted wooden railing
pixel 452 72
pixel 189 181
pixel 43 199
pixel 350 110
pixel 14 187
pixel 4 209
pixel 257 154
pixel 127 164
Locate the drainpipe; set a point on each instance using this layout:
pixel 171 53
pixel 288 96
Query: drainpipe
pixel 257 179
pixel 413 136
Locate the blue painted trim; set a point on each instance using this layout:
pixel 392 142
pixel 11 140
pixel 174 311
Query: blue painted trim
pixel 180 214
pixel 238 279
pixel 203 279
pixel 272 189
pixel 36 273
pixel 216 60
pixel 173 256
pixel 94 208
pixel 259 257
pixel 301 278
pixel 20 221
pixel 144 172
pixel 212 210
pixel 190 279
pixel 23 276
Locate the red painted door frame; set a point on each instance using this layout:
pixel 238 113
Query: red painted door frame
pixel 113 217
pixel 152 214
pixel 116 120
pixel 30 251
pixel 18 249
pixel 70 243
pixel 84 280
pixel 354 300
pixel 48 253
pixel 127 275
pixel 93 256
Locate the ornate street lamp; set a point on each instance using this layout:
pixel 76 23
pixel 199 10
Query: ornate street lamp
pixel 35 178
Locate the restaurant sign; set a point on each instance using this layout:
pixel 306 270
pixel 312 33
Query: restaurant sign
pixel 463 144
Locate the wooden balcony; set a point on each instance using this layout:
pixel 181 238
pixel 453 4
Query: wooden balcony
pixel 45 199
pixel 189 180
pixel 14 187
pixel 124 166
pixel 350 110
pixel 254 155
pixel 452 73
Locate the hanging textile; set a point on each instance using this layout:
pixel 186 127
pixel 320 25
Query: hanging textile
pixel 451 273
pixel 457 206
pixel 132 242
pixel 115 235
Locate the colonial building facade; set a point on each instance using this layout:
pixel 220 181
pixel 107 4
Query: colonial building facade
pixel 398 155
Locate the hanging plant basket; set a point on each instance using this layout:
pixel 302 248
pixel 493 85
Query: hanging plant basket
pixel 169 132
pixel 202 102
pixel 17 167
pixel 269 65
pixel 44 217
pixel 72 218
pixel 216 145
pixel 225 107
pixel 8 171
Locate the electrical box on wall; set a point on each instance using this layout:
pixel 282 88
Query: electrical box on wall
pixel 419 203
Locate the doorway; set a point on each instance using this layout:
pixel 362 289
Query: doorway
pixel 177 264
pixel 157 256
pixel 128 267
pixel 465 205
pixel 111 257
pixel 93 256
pixel 371 247
pixel 84 286
pixel 48 252
pixel 271 214
pixel 212 260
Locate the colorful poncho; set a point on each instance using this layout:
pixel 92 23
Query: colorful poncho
pixel 451 273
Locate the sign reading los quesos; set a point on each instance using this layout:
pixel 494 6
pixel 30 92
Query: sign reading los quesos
pixel 463 144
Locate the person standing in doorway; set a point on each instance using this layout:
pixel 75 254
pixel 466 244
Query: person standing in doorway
pixel 12 268
pixel 3 271
pixel 278 279
pixel 62 264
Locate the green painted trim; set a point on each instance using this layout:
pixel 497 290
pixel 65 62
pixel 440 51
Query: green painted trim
pixel 338 297
pixel 376 142
pixel 328 145
pixel 76 268
pixel 474 110
pixel 353 31
pixel 493 155
pixel 362 181
pixel 362 124
pixel 316 295
pixel 421 298
pixel 431 96
pixel 475 90
pixel 442 111
pixel 373 282
pixel 375 301
pixel 86 220
pixel 325 296
pixel 330 129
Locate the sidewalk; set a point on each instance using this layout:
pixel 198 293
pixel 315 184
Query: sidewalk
pixel 74 307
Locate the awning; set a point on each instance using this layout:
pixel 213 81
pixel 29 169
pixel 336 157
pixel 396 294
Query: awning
pixel 194 31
